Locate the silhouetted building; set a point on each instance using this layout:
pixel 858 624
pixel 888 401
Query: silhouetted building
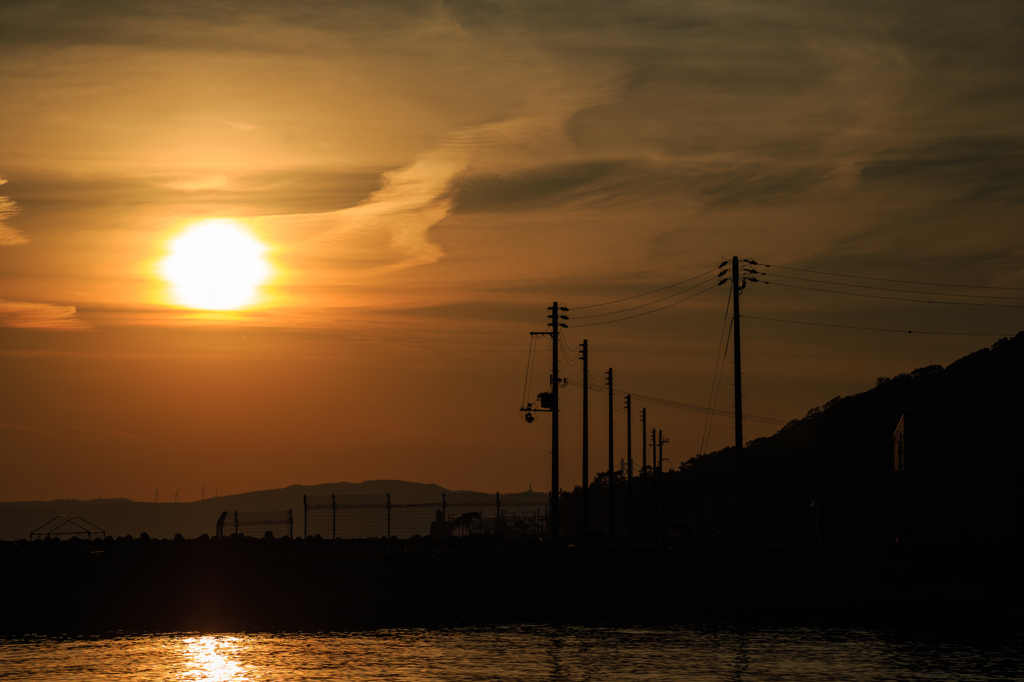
pixel 957 478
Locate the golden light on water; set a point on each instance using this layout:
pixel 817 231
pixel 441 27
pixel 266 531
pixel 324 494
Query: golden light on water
pixel 211 658
pixel 216 265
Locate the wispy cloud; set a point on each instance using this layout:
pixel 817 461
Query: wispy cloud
pixel 209 182
pixel 418 196
pixel 29 315
pixel 9 236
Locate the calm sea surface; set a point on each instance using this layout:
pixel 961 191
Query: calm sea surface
pixel 523 652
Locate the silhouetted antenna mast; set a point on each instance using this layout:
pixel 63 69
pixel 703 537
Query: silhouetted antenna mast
pixel 156 495
pixel 202 493
pixel 176 495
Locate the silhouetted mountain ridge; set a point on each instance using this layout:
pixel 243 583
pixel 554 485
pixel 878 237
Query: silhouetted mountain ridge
pixel 119 516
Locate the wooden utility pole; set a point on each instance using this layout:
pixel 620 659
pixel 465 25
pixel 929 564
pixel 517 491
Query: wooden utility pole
pixel 555 324
pixel 611 457
pixel 660 483
pixel 738 402
pixel 585 510
pixel 643 439
pixel 629 461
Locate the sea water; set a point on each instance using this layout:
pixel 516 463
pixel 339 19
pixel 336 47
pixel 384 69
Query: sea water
pixel 525 652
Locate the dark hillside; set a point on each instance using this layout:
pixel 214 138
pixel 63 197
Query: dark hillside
pixel 849 439
pixel 842 452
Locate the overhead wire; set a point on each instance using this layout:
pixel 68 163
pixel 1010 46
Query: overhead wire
pixel 872 329
pixel 646 293
pixel 644 305
pixel 905 291
pixel 887 298
pixel 684 406
pixel 897 281
pixel 565 350
pixel 648 312
pixel 530 360
pixel 716 382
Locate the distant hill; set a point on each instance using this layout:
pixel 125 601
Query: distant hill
pixel 849 437
pixel 119 517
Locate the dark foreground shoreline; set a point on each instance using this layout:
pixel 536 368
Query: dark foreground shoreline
pixel 106 586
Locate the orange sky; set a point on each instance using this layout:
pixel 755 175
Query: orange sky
pixel 428 177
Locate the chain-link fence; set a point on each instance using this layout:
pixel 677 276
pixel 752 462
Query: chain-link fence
pixel 453 515
pixel 257 523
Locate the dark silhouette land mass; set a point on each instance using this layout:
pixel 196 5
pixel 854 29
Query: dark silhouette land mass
pixel 902 502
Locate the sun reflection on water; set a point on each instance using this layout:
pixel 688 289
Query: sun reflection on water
pixel 214 659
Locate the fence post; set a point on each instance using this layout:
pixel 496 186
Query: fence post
pixel 389 522
pixel 291 532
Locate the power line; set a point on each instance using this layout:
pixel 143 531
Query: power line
pixel 564 348
pixel 646 293
pixel 891 298
pixel 898 281
pixel 873 329
pixel 905 291
pixel 643 305
pixel 716 379
pixel 648 312
pixel 529 368
pixel 684 406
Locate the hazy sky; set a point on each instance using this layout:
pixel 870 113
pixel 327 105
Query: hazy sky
pixel 428 177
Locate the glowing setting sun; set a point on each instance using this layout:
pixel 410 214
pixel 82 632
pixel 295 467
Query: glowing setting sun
pixel 216 265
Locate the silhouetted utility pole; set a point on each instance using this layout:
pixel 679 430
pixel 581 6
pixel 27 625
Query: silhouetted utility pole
pixel 643 439
pixel 629 460
pixel 654 451
pixel 555 324
pixel 738 401
pixel 739 282
pixel 661 485
pixel 611 457
pixel 661 451
pixel 549 403
pixel 585 510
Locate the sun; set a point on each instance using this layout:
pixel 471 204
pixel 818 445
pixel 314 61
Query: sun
pixel 216 265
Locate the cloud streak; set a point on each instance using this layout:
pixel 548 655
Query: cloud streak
pixel 413 199
pixel 29 315
pixel 9 236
